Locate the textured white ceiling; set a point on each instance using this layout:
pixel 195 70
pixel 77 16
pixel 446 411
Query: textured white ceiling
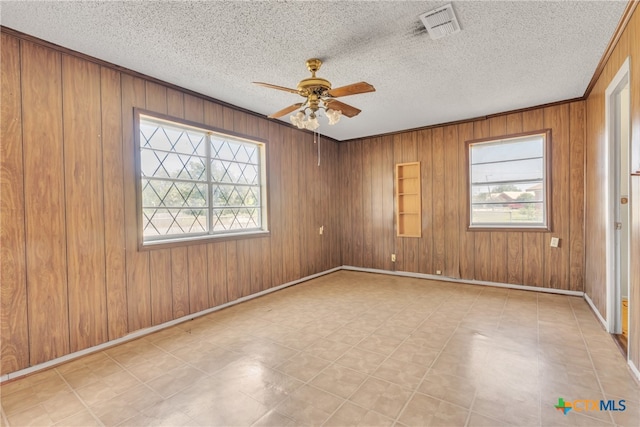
pixel 509 54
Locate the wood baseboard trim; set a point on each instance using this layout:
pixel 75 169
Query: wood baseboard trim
pixel 466 282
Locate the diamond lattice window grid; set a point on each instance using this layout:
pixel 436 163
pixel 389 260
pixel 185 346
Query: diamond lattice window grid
pixel 196 182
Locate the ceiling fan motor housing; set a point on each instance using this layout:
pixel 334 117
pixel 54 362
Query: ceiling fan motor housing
pixel 315 85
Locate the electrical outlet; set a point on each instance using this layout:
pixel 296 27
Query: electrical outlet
pixel 321 229
pixel 438 272
pixel 393 257
pixel 554 242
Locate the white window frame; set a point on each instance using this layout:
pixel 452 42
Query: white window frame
pixel 545 225
pixel 210 132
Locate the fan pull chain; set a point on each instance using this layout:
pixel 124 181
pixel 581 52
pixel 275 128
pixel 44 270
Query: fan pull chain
pixel 316 140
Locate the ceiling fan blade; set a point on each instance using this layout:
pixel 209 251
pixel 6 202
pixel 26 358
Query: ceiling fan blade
pixel 287 110
pixel 347 110
pixel 269 85
pixel 352 89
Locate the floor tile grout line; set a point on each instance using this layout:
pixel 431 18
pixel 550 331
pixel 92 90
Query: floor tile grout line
pixel 593 366
pixel 372 375
pixel 387 357
pixel 5 419
pixel 397 419
pixel 538 359
pixel 473 400
pixel 73 390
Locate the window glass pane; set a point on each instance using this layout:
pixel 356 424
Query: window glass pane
pixel 236 219
pixel 168 165
pixel 513 191
pixel 166 222
pixel 173 194
pixel 517 170
pixel 507 150
pixel 516 213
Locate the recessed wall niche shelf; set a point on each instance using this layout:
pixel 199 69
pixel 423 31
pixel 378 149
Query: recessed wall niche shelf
pixel 408 200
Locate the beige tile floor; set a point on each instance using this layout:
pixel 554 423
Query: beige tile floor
pixel 348 349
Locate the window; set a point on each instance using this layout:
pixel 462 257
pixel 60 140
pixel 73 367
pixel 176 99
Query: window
pixel 509 182
pixel 197 183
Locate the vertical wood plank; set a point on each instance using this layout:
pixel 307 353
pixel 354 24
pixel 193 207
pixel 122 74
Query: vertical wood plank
pixel 297 140
pixel 367 207
pixel 274 152
pixel 425 155
pixel 377 213
pixel 14 329
pixel 198 282
pixel 305 198
pixel 161 292
pixel 84 203
pixel 483 255
pixel 217 273
pixel 175 103
pixel 180 281
pixel 233 286
pixel 346 190
pixel 438 197
pixel 113 183
pixel 388 169
pixel 357 227
pixel 452 174
pixel 557 259
pixel 514 239
pixel 499 264
pixel 243 273
pixel 45 233
pixel 577 138
pixel 138 281
pixel 159 259
pixel 287 220
pixel 467 238
pixel 533 242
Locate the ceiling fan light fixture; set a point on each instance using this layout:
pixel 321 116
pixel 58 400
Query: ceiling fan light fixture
pixel 333 115
pixel 298 120
pixel 312 123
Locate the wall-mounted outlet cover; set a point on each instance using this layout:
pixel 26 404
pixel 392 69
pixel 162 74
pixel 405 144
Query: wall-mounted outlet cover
pixel 393 257
pixel 438 272
pixel 554 242
pixel 321 229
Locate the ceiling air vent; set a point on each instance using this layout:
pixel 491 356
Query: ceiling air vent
pixel 440 22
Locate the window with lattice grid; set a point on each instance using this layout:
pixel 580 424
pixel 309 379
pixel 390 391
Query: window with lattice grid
pixel 197 182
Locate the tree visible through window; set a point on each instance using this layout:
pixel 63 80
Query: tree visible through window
pixel 508 182
pixel 196 182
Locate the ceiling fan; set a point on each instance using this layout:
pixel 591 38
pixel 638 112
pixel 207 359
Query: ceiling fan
pixel 319 95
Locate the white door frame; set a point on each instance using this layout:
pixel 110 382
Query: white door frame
pixel 612 270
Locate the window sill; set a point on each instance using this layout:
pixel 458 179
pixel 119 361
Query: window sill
pixel 200 240
pixel 494 228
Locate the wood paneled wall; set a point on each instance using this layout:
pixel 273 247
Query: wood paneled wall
pixel 72 276
pixel 595 284
pixel 523 258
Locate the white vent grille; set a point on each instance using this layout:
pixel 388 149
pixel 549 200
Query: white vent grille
pixel 440 22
